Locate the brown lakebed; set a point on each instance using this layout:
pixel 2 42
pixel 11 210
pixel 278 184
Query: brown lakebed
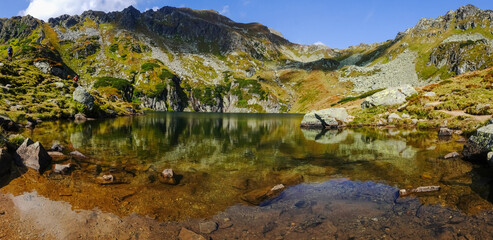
pixel 221 157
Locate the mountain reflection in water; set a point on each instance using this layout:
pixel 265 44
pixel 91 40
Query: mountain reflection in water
pixel 222 156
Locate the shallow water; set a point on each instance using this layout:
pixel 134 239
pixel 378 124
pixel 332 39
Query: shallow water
pixel 221 157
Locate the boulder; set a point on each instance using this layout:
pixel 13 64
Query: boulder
pixel 445 132
pixel 186 234
pixel 81 95
pixel 208 227
pixel 5 162
pixel 33 155
pixel 7 124
pixel 325 118
pixel 389 96
pixel 479 144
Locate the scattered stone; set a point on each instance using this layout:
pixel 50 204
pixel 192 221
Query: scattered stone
pixel 80 117
pixel 62 168
pixel 405 115
pixel 257 196
pixel 57 147
pixel 445 132
pixel 5 162
pixel 458 132
pixel 414 121
pixel 77 154
pixel 33 155
pixel 326 118
pixel 430 94
pixel 452 155
pixel 106 179
pixel 479 144
pixel 389 96
pixel 404 192
pixel 81 95
pixel 59 85
pixel 208 227
pixel 186 234
pixel 393 117
pixel 226 223
pixel 168 177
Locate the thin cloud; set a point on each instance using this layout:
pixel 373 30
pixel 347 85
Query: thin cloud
pixel 45 9
pixel 319 43
pixel 225 10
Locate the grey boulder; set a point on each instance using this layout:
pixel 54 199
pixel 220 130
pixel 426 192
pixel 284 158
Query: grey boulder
pixel 33 155
pixel 389 96
pixel 479 144
pixel 81 95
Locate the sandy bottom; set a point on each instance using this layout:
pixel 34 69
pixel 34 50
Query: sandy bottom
pixel 335 209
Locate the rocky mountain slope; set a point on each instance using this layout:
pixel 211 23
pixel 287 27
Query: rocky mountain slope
pixel 179 59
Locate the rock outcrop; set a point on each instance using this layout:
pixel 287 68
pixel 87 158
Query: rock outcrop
pixel 326 118
pixel 478 145
pixel 389 96
pixel 7 124
pixel 33 155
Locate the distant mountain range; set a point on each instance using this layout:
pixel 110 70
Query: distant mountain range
pixel 179 59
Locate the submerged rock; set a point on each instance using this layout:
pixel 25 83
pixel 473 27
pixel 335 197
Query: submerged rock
pixel 5 162
pixel 186 234
pixel 326 118
pixel 208 227
pixel 389 96
pixel 33 155
pixel 257 196
pixel 479 144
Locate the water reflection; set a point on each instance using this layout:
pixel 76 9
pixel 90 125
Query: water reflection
pixel 222 156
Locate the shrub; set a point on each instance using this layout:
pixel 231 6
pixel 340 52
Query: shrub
pixel 149 66
pixel 166 74
pixel 114 47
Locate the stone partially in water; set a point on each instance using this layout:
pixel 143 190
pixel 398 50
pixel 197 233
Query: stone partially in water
pixel 445 132
pixel 33 155
pixel 62 168
pixel 479 144
pixel 208 227
pixel 326 118
pixel 186 234
pixel 57 147
pixel 168 177
pixel 81 95
pixel 77 154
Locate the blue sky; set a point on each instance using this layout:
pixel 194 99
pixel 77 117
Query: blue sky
pixel 337 24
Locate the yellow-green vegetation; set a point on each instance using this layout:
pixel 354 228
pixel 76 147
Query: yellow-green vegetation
pixel 26 92
pixel 462 102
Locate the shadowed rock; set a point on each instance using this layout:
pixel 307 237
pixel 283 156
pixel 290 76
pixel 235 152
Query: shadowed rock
pixel 479 144
pixel 33 155
pixel 5 162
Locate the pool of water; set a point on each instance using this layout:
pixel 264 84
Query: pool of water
pixel 220 158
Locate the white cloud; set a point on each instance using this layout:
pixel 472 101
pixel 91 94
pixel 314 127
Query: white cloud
pixel 225 10
pixel 319 43
pixel 44 9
